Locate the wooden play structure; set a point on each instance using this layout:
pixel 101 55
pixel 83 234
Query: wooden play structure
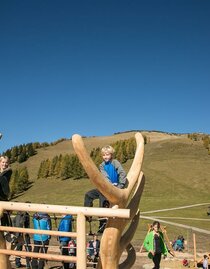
pixel 122 223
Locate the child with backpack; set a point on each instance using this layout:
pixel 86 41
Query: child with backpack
pixel 65 225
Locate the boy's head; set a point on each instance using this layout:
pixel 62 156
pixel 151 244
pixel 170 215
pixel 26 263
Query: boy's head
pixel 107 153
pixel 205 256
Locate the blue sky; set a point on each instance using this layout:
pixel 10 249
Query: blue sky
pixel 99 67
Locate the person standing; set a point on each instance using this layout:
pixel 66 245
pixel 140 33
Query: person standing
pixel 41 221
pixel 65 225
pixel 22 220
pixel 155 245
pixel 5 175
pixel 93 250
pixel 205 262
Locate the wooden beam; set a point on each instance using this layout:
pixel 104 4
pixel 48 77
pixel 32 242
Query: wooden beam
pixel 33 231
pixel 73 210
pixel 52 257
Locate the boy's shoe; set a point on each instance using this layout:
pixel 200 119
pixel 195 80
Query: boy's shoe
pixel 89 219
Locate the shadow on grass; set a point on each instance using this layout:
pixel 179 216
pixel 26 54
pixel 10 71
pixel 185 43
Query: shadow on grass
pixel 19 194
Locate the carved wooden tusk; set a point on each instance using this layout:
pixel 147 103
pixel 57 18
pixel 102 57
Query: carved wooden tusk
pixel 113 194
pixel 131 258
pixel 128 235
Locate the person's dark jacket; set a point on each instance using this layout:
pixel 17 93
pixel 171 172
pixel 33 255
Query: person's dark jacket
pixel 22 220
pixel 4 184
pixel 93 251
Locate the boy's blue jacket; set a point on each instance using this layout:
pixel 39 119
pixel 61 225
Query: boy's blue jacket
pixel 65 226
pixel 114 172
pixel 41 221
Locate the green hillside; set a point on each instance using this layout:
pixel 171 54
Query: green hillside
pixel 177 171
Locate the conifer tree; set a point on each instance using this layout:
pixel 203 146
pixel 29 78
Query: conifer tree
pixel 57 168
pixel 13 183
pixel 52 171
pixel 65 171
pixel 23 156
pixel 23 177
pixel 30 150
pixel 14 154
pixel 206 141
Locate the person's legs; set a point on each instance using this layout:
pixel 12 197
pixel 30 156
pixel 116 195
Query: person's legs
pixel 102 200
pixel 156 260
pixel 102 222
pixel 43 249
pixel 34 263
pixel 65 252
pixel 28 248
pixel 102 225
pixel 19 247
pixel 90 196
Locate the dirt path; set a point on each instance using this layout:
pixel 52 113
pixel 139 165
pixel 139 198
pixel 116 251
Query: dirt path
pixel 142 262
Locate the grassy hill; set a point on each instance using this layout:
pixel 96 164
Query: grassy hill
pixel 176 169
pixel 177 172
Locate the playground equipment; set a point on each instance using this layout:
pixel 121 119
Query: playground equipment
pixel 114 240
pixel 123 217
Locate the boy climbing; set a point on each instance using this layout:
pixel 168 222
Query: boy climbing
pixel 112 171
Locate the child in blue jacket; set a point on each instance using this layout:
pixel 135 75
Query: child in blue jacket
pixel 65 225
pixel 112 171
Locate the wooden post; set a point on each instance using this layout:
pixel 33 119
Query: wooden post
pixel 163 229
pixel 81 241
pixel 4 259
pixel 188 241
pixel 195 254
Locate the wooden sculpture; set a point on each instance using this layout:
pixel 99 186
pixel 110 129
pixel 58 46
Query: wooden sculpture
pixel 115 240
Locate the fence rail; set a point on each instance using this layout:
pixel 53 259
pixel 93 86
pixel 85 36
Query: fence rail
pixel 80 234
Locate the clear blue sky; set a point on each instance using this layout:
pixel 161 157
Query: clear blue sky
pixel 96 67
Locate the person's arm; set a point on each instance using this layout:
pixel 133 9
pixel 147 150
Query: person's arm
pixel 4 183
pixel 49 224
pixel 164 247
pixel 148 243
pixel 26 220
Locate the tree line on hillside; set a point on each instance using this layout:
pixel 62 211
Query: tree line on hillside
pixel 22 152
pixel 68 165
pixel 19 181
pixel 201 137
